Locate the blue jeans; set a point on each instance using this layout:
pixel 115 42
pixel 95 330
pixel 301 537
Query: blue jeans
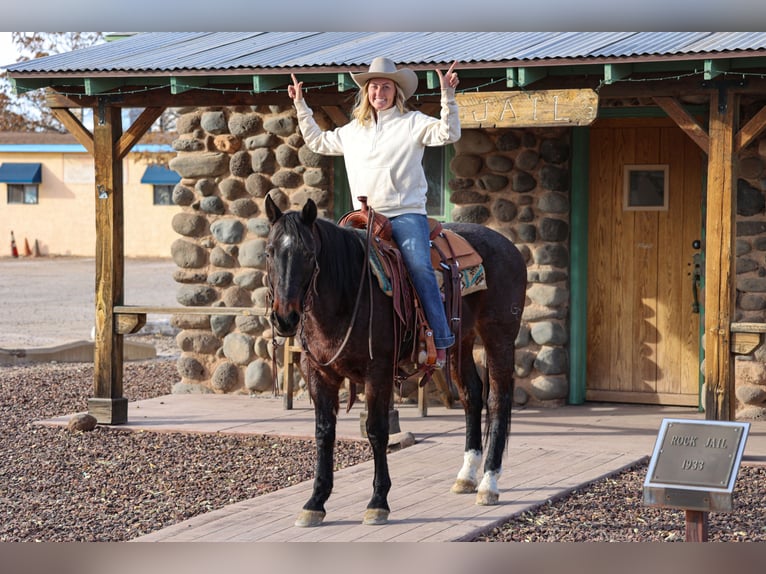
pixel 410 231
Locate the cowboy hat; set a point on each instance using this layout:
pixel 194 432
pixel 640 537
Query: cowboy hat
pixel 406 79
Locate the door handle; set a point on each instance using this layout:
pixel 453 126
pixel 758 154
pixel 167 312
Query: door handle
pixel 696 277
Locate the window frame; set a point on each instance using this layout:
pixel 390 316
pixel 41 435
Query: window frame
pixel 629 189
pixel 25 191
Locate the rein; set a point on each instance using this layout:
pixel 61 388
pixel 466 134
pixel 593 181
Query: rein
pixel 352 320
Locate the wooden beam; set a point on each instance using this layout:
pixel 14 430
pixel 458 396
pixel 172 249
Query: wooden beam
pixel 108 405
pixel 719 401
pixel 75 127
pixel 136 131
pixel 337 115
pixel 751 130
pixel 685 121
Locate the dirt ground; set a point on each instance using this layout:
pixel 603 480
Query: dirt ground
pixel 46 301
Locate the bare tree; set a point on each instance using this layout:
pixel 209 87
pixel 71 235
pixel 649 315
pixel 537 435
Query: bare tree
pixel 28 111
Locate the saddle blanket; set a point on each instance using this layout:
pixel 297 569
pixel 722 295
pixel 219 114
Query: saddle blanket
pixel 472 278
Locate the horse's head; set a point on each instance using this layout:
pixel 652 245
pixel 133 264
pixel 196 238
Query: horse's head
pixel 291 263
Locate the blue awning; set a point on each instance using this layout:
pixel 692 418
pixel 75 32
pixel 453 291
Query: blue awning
pixel 159 175
pixel 21 173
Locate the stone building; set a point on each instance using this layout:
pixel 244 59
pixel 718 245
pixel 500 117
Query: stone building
pixel 641 217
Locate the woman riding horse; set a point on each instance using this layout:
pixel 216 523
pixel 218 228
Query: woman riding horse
pixel 383 149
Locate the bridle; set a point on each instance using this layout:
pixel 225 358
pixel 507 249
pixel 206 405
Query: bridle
pixel 307 301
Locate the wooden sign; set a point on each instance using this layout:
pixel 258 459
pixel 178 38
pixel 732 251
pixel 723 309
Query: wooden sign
pixel 539 108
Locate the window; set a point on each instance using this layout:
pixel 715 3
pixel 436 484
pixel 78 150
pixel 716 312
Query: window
pixel 163 195
pixel 22 193
pixel 163 181
pixel 436 167
pixel 646 188
pixel 23 181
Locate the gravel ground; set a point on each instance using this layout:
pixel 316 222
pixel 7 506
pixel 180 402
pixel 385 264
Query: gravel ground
pixel 611 510
pixel 114 485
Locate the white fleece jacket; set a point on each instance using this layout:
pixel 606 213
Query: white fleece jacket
pixel 384 158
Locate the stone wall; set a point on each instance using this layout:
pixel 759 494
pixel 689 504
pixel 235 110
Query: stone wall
pixel 751 276
pixel 229 159
pixel 517 182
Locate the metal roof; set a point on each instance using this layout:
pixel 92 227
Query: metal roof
pixel 228 52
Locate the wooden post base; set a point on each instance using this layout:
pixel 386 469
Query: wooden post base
pixel 696 526
pixel 393 422
pixel 109 411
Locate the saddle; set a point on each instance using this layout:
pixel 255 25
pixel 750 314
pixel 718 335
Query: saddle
pixel 457 265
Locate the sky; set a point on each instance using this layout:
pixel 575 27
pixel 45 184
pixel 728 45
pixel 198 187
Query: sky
pixel 7 49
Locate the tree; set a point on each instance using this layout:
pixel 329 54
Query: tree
pixel 29 111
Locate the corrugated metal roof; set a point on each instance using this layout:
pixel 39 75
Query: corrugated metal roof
pixel 176 52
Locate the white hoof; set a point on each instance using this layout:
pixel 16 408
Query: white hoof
pixel 489 493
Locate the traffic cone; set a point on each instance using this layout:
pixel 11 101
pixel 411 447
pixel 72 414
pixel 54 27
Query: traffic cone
pixel 14 251
pixel 37 249
pixel 27 250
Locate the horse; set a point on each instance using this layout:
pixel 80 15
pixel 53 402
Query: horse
pixel 316 273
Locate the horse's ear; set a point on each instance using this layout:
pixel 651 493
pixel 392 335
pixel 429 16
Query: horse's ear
pixel 272 211
pixel 309 212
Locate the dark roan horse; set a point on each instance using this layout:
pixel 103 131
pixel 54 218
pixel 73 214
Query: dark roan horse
pixel 316 269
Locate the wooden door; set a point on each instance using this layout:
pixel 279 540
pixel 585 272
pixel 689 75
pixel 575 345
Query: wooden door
pixel 642 332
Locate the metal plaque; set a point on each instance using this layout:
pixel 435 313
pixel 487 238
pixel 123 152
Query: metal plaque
pixel 695 464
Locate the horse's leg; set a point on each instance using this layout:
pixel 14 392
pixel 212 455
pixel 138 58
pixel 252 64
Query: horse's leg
pixel 470 389
pixel 325 396
pixel 378 399
pixel 500 367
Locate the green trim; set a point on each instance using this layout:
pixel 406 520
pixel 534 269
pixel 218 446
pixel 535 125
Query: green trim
pixel 267 83
pixel 96 86
pixel 703 234
pixel 614 72
pixel 341 192
pixel 578 265
pixel 181 84
pixel 449 154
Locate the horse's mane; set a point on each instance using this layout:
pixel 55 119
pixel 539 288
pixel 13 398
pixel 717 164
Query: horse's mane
pixel 340 258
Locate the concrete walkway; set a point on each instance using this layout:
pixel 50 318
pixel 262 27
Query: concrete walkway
pixel 551 452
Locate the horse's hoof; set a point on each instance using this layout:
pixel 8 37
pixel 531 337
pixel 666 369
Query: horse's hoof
pixel 310 518
pixel 463 486
pixel 375 516
pixel 487 498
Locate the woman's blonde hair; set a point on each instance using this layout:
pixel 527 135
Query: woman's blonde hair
pixel 363 110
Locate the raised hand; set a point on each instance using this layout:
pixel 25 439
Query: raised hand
pixel 294 89
pixel 450 79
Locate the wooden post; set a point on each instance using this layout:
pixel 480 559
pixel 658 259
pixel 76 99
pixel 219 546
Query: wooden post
pixel 108 405
pixel 719 400
pixel 696 526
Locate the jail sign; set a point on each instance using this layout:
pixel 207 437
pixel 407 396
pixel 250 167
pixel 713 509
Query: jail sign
pixel 694 464
pixel 537 108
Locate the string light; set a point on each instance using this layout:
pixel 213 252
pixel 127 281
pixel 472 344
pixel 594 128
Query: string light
pixel 330 85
